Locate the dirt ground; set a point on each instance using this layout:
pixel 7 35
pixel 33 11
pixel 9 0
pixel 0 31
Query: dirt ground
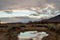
pixel 10 33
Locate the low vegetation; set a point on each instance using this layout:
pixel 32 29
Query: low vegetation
pixel 14 29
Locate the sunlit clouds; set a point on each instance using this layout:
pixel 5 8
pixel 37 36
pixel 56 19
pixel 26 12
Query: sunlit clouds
pixel 15 13
pixel 29 14
pixel 50 5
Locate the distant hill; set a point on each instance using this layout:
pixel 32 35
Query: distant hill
pixel 20 20
pixel 54 19
pixel 51 20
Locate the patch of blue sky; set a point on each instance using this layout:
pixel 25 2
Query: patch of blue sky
pixel 23 13
pixel 15 14
pixel 4 14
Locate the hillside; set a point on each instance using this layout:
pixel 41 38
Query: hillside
pixel 51 20
pixel 54 19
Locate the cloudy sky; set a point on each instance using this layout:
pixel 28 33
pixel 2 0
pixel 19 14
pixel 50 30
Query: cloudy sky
pixel 17 4
pixel 18 9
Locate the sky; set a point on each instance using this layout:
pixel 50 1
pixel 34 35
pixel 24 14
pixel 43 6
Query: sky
pixel 18 4
pixel 15 13
pixel 27 7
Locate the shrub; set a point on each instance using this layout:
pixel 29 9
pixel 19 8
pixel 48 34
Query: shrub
pixel 22 26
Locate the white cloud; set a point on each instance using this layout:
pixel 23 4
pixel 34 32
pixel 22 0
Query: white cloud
pixel 29 15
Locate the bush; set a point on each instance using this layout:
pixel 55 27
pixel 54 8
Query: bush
pixel 22 26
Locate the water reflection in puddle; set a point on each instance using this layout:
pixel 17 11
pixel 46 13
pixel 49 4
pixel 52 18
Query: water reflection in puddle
pixel 32 35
